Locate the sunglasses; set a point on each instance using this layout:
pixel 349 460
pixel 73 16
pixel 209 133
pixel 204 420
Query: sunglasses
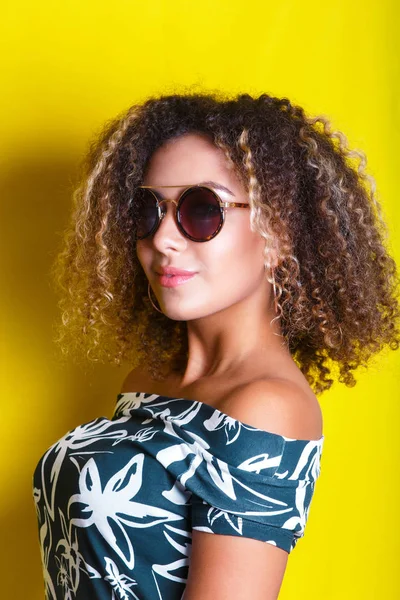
pixel 199 211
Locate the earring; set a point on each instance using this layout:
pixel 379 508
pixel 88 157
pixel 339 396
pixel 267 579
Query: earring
pixel 148 292
pixel 274 287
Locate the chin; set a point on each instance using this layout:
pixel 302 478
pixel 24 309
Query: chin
pixel 174 313
pixel 174 316
pixel 182 313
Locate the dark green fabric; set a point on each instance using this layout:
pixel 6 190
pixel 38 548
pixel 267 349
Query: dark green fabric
pixel 117 499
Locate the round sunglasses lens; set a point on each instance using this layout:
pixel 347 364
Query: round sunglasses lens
pixel 200 213
pixel 146 213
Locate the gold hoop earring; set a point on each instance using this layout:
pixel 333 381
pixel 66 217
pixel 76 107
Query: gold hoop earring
pixel 148 292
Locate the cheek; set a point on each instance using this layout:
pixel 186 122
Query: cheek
pixel 237 257
pixel 143 256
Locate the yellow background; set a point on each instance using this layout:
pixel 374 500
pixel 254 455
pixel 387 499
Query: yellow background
pixel 69 66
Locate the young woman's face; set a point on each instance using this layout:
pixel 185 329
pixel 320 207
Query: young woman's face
pixel 228 268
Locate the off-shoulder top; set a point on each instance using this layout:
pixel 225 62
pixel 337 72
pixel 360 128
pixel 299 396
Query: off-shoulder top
pixel 117 499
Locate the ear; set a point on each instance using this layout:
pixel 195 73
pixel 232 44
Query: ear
pixel 273 256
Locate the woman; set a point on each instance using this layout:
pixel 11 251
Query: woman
pixel 232 252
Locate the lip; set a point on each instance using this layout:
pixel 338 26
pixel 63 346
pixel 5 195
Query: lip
pixel 173 271
pixel 174 280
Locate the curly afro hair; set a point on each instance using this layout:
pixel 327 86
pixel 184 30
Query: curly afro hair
pixel 337 284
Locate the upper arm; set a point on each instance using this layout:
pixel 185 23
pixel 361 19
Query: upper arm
pixel 226 567
pixel 238 567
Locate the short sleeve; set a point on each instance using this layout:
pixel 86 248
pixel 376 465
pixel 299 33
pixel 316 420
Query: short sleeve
pixel 247 500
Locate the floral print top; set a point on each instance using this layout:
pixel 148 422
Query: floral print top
pixel 117 499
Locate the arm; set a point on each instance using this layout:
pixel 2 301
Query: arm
pixel 226 567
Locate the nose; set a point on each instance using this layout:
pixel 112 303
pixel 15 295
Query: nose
pixel 168 235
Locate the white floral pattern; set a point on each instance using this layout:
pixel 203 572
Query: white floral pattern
pixel 117 499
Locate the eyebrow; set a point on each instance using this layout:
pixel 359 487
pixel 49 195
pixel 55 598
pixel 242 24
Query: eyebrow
pixel 212 184
pixel 217 186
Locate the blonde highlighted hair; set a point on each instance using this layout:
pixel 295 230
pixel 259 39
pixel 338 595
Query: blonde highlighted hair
pixel 337 283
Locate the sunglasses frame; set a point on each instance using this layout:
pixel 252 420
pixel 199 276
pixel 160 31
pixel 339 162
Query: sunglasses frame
pixel 162 211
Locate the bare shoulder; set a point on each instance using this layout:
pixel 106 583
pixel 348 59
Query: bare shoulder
pixel 236 567
pixel 277 405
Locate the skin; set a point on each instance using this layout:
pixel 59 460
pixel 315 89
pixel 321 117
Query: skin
pixel 228 305
pixel 237 361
